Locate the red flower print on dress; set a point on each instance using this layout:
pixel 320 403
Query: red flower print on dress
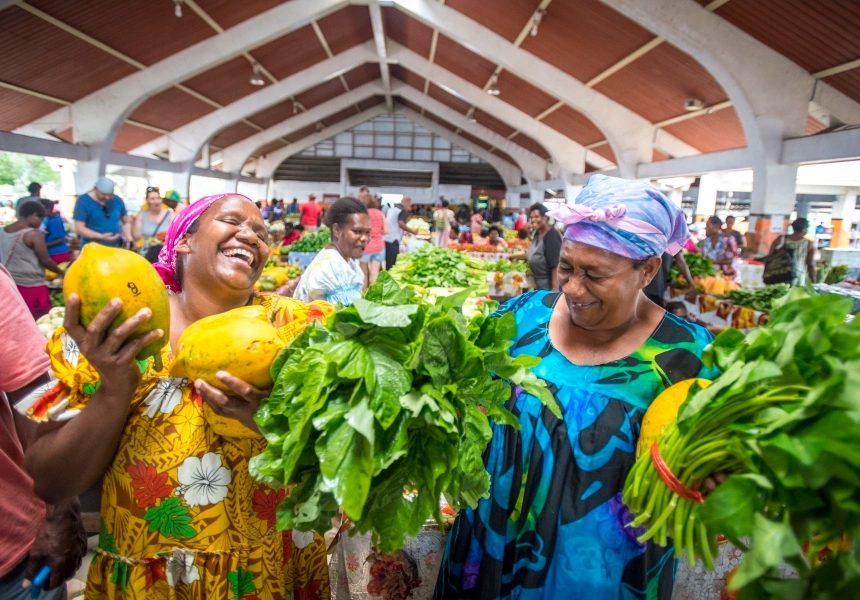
pixel 287 540
pixel 148 484
pixel 154 571
pixel 308 592
pixel 266 504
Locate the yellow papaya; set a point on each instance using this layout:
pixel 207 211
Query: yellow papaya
pixel 102 273
pixel 663 411
pixel 241 341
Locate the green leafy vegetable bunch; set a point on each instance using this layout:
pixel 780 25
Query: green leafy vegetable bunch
pixel 432 266
pixel 760 299
pixel 699 266
pixel 312 242
pixel 503 265
pixel 385 409
pixel 783 420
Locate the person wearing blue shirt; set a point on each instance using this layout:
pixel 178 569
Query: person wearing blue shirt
pixel 100 216
pixel 55 233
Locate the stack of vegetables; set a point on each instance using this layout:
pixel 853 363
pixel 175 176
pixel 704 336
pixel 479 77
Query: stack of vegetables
pixel 783 420
pixel 385 409
pixel 418 225
pixel 52 321
pixel 274 277
pixel 715 285
pixel 434 267
pixel 311 242
pixel 699 266
pixel 760 299
pixel 478 248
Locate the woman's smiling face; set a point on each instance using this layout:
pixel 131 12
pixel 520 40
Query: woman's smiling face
pixel 229 246
pixel 601 288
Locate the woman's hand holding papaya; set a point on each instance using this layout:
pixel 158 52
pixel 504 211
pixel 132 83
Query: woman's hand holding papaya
pixel 112 354
pixel 240 405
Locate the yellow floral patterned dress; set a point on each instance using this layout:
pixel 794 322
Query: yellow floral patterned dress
pixel 181 517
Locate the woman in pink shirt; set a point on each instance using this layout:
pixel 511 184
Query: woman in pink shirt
pixel 374 252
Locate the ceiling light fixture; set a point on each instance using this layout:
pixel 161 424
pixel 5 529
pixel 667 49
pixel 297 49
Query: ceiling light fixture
pixel 691 104
pixel 320 126
pixel 256 78
pixel 493 90
pixel 536 19
pixel 178 8
pixel 473 120
pixel 295 107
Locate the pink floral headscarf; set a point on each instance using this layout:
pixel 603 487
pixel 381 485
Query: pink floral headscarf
pixel 166 265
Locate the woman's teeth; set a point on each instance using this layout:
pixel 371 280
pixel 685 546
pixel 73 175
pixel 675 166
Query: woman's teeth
pixel 239 253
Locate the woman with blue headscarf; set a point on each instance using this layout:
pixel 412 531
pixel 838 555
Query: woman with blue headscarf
pixel 554 525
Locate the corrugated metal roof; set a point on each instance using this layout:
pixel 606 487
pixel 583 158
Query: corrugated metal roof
pixel 465 63
pixel 291 53
pixel 505 18
pixel 321 93
pixel 475 140
pixel 491 122
pixel 718 131
pixel 447 99
pixel 346 28
pixel 504 156
pixel 371 102
pixel 847 82
pixel 522 95
pixel 273 115
pixel 606 152
pixel 339 116
pixel 531 145
pixel 17 109
pixel 406 76
pixel 407 31
pixel 145 30
pixel 38 56
pixel 816 34
pixel 813 125
pixel 360 75
pixel 574 125
pixel 656 155
pixel 225 83
pixel 585 37
pixel 130 137
pixel 270 147
pixel 656 85
pixel 170 109
pixel 232 134
pixel 228 13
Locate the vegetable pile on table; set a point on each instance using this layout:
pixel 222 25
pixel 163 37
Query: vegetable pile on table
pixel 783 420
pixel 503 265
pixel 380 412
pixel 418 225
pixel 312 242
pixel 432 266
pixel 699 266
pixel 760 299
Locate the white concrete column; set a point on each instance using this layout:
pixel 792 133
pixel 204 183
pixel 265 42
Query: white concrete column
pixel 512 198
pixel 842 216
pixel 86 174
pixel 706 205
pixel 677 196
pixel 182 184
pixel 537 195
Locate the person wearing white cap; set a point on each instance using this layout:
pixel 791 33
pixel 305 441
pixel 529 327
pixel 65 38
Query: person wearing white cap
pixel 100 216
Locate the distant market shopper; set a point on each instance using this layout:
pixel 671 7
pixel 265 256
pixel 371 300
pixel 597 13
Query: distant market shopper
pixel 719 247
pixel 310 212
pixel 443 218
pixel 25 256
pixel 100 215
pixel 153 220
pixel 55 233
pixel 373 258
pixel 802 251
pixel 334 275
pixel 396 217
pixel 35 190
pixel 543 253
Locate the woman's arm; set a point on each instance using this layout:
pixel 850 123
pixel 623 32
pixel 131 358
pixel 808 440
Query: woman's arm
pixel 553 275
pixel 385 228
pixel 65 462
pixel 137 227
pixel 810 262
pixel 36 241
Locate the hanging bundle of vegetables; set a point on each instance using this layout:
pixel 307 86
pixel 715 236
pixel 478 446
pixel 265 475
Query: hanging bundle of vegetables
pixel 783 420
pixel 385 409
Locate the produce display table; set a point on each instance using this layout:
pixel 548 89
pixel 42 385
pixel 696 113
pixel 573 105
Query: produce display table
pixel 349 571
pixel 749 274
pixel 489 255
pixel 302 259
pixel 509 284
pixel 848 290
pixel 722 313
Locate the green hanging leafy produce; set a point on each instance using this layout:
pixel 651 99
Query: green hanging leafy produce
pixel 312 242
pixel 697 263
pixel 783 420
pixel 385 409
pixel 432 266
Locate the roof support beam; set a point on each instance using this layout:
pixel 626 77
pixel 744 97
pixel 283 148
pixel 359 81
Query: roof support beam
pixel 824 147
pixel 566 153
pixel 510 174
pixel 381 51
pixel 532 165
pixel 234 157
pixel 267 166
pixel 186 142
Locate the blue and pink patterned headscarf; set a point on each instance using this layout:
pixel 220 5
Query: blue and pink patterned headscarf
pixel 625 217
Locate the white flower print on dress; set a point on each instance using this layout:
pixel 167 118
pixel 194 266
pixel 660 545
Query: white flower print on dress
pixel 165 396
pixel 302 539
pixel 203 480
pixel 70 349
pixel 181 567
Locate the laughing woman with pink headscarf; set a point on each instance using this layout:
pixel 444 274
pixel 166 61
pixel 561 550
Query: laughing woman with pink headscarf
pixel 180 515
pixel 553 525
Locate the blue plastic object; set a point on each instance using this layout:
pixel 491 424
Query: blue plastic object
pixel 39 581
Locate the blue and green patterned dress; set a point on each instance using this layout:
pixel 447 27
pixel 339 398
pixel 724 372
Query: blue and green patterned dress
pixel 554 524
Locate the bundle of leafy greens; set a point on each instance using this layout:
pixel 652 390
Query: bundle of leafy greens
pixel 312 242
pixel 784 420
pixel 699 266
pixel 385 409
pixel 760 299
pixel 432 266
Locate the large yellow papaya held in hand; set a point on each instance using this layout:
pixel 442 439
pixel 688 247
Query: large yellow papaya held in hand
pixel 663 411
pixel 102 273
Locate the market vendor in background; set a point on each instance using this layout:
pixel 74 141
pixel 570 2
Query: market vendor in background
pixel 553 524
pixel 292 233
pixel 656 290
pixel 740 239
pixel 397 217
pixel 719 247
pixel 100 216
pixel 495 237
pixel 25 256
pixel 310 212
pixel 443 219
pixel 373 258
pixel 55 233
pixel 802 251
pixel 335 274
pixel 180 515
pixel 155 218
pixel 543 253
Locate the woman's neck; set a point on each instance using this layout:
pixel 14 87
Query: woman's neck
pixel 334 246
pixel 155 211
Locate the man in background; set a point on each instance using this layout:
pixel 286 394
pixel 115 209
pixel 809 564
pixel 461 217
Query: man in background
pixel 32 534
pixel 396 217
pixel 100 216
pixel 55 233
pixel 730 230
pixel 293 208
pixel 310 212
pixel 35 190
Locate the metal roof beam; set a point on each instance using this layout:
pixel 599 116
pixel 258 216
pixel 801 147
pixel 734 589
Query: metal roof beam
pixel 186 141
pixel 823 147
pixel 234 157
pixel 511 174
pixel 531 164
